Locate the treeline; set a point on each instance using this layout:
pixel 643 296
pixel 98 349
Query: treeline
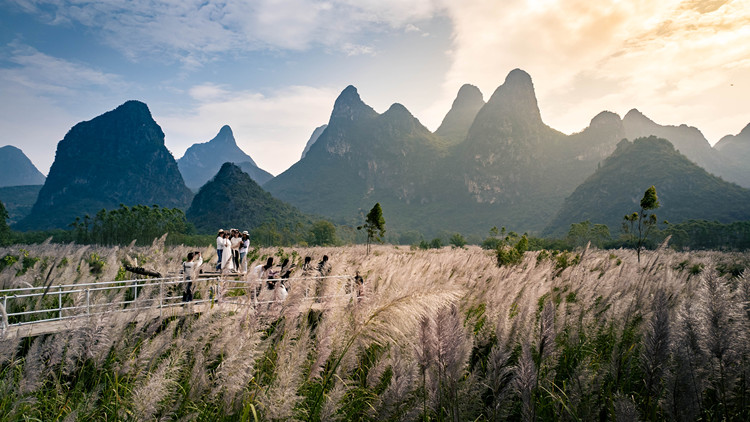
pixel 143 224
pixel 123 225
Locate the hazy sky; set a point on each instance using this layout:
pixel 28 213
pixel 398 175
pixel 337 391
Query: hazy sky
pixel 271 69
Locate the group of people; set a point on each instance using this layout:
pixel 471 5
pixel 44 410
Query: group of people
pixel 232 247
pixel 276 279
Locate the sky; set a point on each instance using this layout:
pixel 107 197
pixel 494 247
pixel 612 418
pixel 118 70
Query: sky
pixel 272 69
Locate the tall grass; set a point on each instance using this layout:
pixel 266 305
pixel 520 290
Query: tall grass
pixel 442 335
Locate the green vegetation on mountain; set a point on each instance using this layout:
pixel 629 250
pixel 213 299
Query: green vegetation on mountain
pixel 116 158
pixel 488 164
pixel 233 200
pixel 16 169
pixel 201 161
pixel 19 200
pixel 364 157
pixel 515 169
pixel 686 191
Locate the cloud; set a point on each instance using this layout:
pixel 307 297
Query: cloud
pixel 668 58
pixel 44 96
pixel 271 127
pixel 47 75
pixel 195 31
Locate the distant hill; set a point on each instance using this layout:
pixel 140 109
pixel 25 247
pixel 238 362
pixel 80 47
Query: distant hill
pixel 16 169
pixel 233 200
pixel 314 137
pixel 202 161
pixel 18 201
pixel 456 123
pixel 685 190
pixel 118 157
pixel 734 151
pixel 690 141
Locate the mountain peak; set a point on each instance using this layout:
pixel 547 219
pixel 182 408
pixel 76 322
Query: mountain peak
pixel 350 106
pixel 516 97
pixel 225 132
pixel 134 107
pixel 520 78
pixel 636 116
pixel 468 95
pixel 605 118
pixel 456 123
pixel 397 109
pixel 225 136
pixel 313 138
pixel 202 160
pixel 17 169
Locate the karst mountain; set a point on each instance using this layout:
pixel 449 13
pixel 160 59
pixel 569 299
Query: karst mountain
pixel 116 158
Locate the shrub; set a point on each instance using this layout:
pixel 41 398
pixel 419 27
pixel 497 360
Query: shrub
pixel 7 261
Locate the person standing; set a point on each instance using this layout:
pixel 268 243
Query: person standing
pixel 189 272
pixel 226 255
pixel 236 242
pixel 243 250
pixel 219 248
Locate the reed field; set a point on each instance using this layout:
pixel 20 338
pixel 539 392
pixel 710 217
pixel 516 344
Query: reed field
pixel 444 335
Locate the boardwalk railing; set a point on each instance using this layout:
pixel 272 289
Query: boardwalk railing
pixel 33 305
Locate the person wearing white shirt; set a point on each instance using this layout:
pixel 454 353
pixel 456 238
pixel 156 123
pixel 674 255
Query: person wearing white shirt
pixel 189 272
pixel 243 250
pixel 219 247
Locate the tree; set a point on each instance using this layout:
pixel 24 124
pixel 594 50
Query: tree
pixel 584 232
pixel 458 240
pixel 5 232
pixel 374 225
pixel 639 226
pixel 323 233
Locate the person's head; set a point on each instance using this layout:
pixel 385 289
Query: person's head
pixel 190 256
pixel 285 263
pixel 307 259
pixel 325 258
pixel 269 262
pixel 221 232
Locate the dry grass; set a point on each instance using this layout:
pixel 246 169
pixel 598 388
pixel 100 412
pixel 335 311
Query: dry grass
pixel 441 333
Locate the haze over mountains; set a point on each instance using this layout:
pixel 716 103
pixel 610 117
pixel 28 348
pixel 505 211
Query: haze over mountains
pixel 493 163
